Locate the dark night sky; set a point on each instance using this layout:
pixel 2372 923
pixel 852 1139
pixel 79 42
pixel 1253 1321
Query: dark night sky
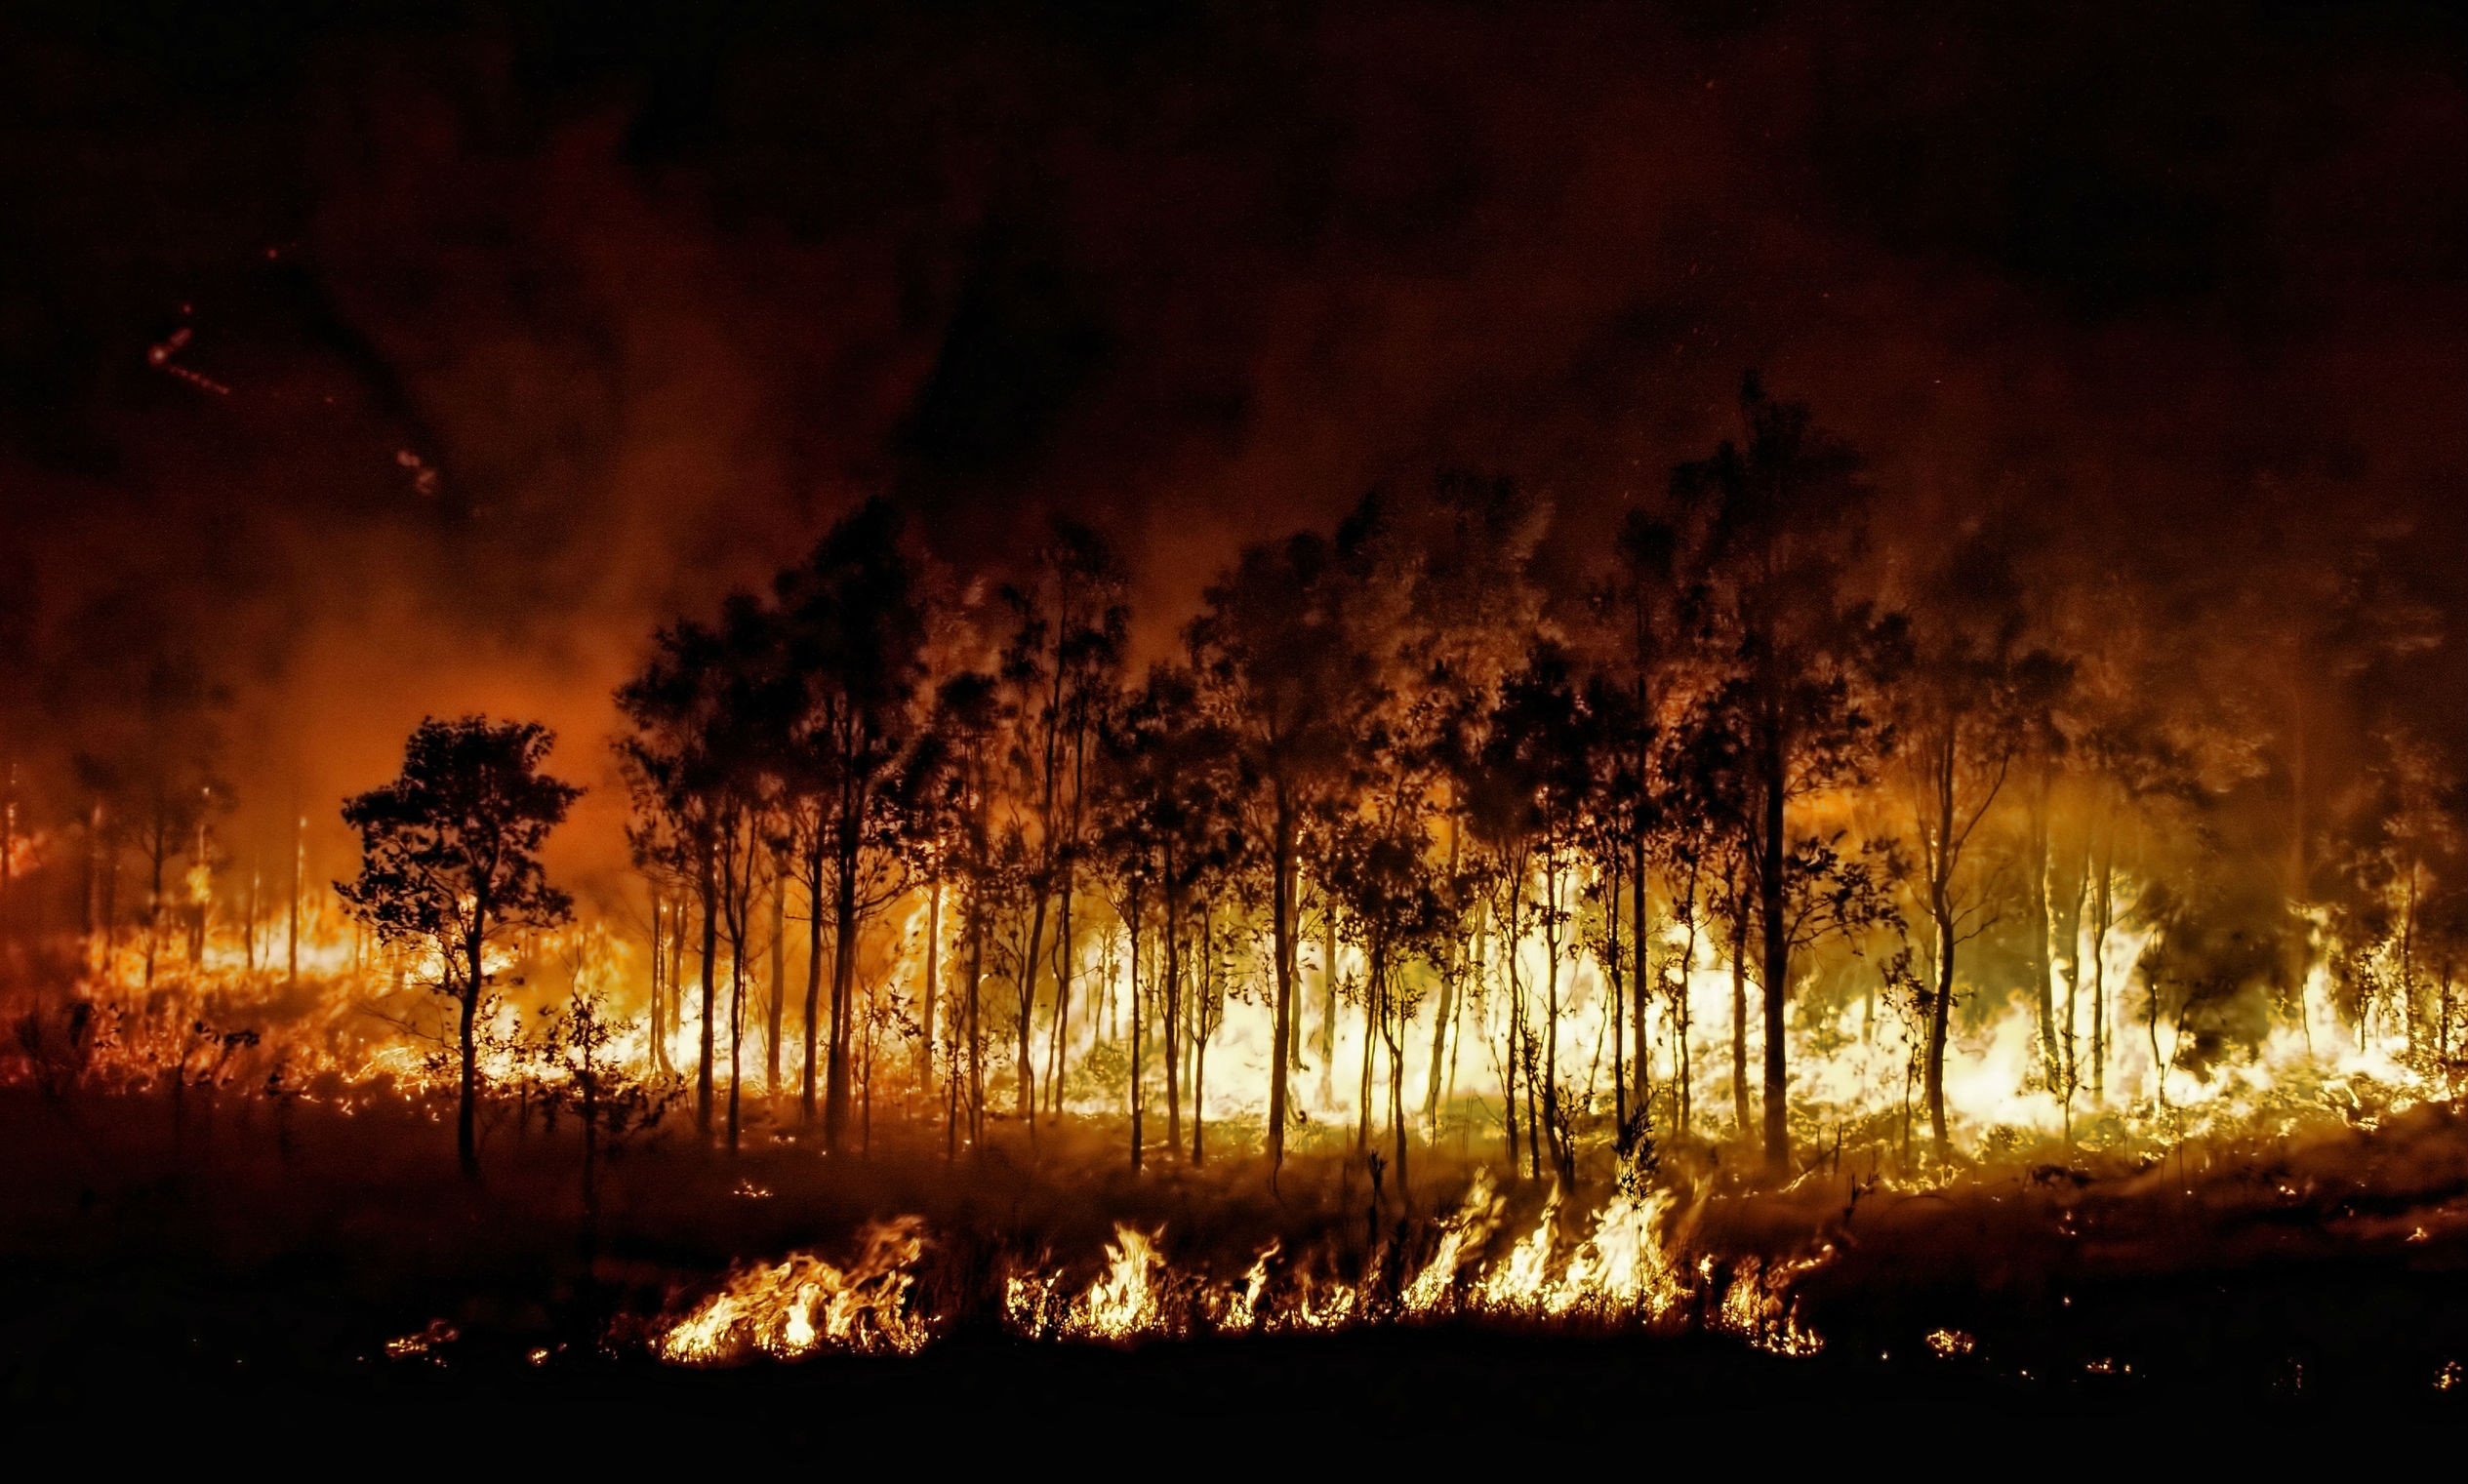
pixel 539 322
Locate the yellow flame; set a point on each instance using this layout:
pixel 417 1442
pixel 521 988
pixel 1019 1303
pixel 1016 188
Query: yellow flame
pixel 804 1304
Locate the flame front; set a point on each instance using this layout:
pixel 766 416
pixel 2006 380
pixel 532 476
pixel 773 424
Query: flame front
pixel 804 1304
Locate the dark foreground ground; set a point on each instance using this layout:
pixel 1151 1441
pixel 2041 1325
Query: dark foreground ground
pixel 257 1268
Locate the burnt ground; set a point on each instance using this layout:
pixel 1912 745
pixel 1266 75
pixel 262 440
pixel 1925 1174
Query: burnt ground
pixel 258 1265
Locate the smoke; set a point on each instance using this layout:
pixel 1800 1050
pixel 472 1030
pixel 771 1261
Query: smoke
pixel 494 344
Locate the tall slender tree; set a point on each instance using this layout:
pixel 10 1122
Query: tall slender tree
pixel 854 632
pixel 1774 527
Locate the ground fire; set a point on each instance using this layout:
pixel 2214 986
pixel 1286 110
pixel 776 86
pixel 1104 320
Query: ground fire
pixel 1449 796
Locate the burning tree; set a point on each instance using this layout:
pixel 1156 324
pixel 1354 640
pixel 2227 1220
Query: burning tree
pixel 853 625
pixel 1973 699
pixel 1773 526
pixel 450 862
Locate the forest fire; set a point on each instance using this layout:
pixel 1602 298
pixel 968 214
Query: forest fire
pixel 1379 695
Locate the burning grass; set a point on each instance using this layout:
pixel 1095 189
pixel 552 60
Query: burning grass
pixel 335 1240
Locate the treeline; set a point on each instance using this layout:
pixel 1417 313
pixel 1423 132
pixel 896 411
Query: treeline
pixel 1759 734
pixel 1930 769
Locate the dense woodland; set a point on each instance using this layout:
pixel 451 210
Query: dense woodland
pixel 925 840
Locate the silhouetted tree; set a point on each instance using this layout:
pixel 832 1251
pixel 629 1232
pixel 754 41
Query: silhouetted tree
pixel 854 623
pixel 450 862
pixel 1971 699
pixel 957 774
pixel 1275 649
pixel 676 764
pixel 1060 666
pixel 1772 527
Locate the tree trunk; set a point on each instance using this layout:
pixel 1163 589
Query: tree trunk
pixel 1443 1014
pixel 1739 1014
pixel 1642 998
pixel 836 1092
pixel 1613 970
pixel 1373 972
pixel 1028 1009
pixel 1396 1106
pixel 1555 1119
pixel 1327 996
pixel 1777 959
pixel 1199 1076
pixel 2042 966
pixel 1136 1048
pixel 933 983
pixel 813 977
pixel 976 1022
pixel 156 850
pixel 1281 932
pixel 779 976
pixel 1058 1039
pixel 710 951
pixel 659 1052
pixel 1533 1114
pixel 1511 1063
pixel 467 1143
pixel 676 965
pixel 739 907
pixel 2103 916
pixel 1171 1018
pixel 1684 1070
pixel 1940 1019
pixel 1941 913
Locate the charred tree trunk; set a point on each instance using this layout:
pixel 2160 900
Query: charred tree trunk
pixel 1613 970
pixel 1941 864
pixel 933 984
pixel 777 1008
pixel 1136 1048
pixel 1443 1014
pixel 466 1141
pixel 1057 1041
pixel 1554 1116
pixel 1327 996
pixel 1940 1019
pixel 1739 1014
pixel 1026 1080
pixel 976 1020
pixel 2103 917
pixel 836 1092
pixel 1170 1017
pixel 1282 931
pixel 1374 969
pixel 739 892
pixel 1777 957
pixel 815 865
pixel 710 951
pixel 2043 965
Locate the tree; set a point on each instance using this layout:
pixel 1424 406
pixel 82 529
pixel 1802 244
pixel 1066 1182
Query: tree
pixel 1060 666
pixel 1639 671
pixel 1393 910
pixel 1169 806
pixel 676 767
pixel 1278 655
pixel 854 632
pixel 956 773
pixel 450 862
pixel 1527 796
pixel 1771 529
pixel 1969 702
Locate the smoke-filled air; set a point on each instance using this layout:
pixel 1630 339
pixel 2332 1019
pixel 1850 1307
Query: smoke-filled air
pixel 1696 703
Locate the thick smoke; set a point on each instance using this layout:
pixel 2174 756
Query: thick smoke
pixel 425 365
